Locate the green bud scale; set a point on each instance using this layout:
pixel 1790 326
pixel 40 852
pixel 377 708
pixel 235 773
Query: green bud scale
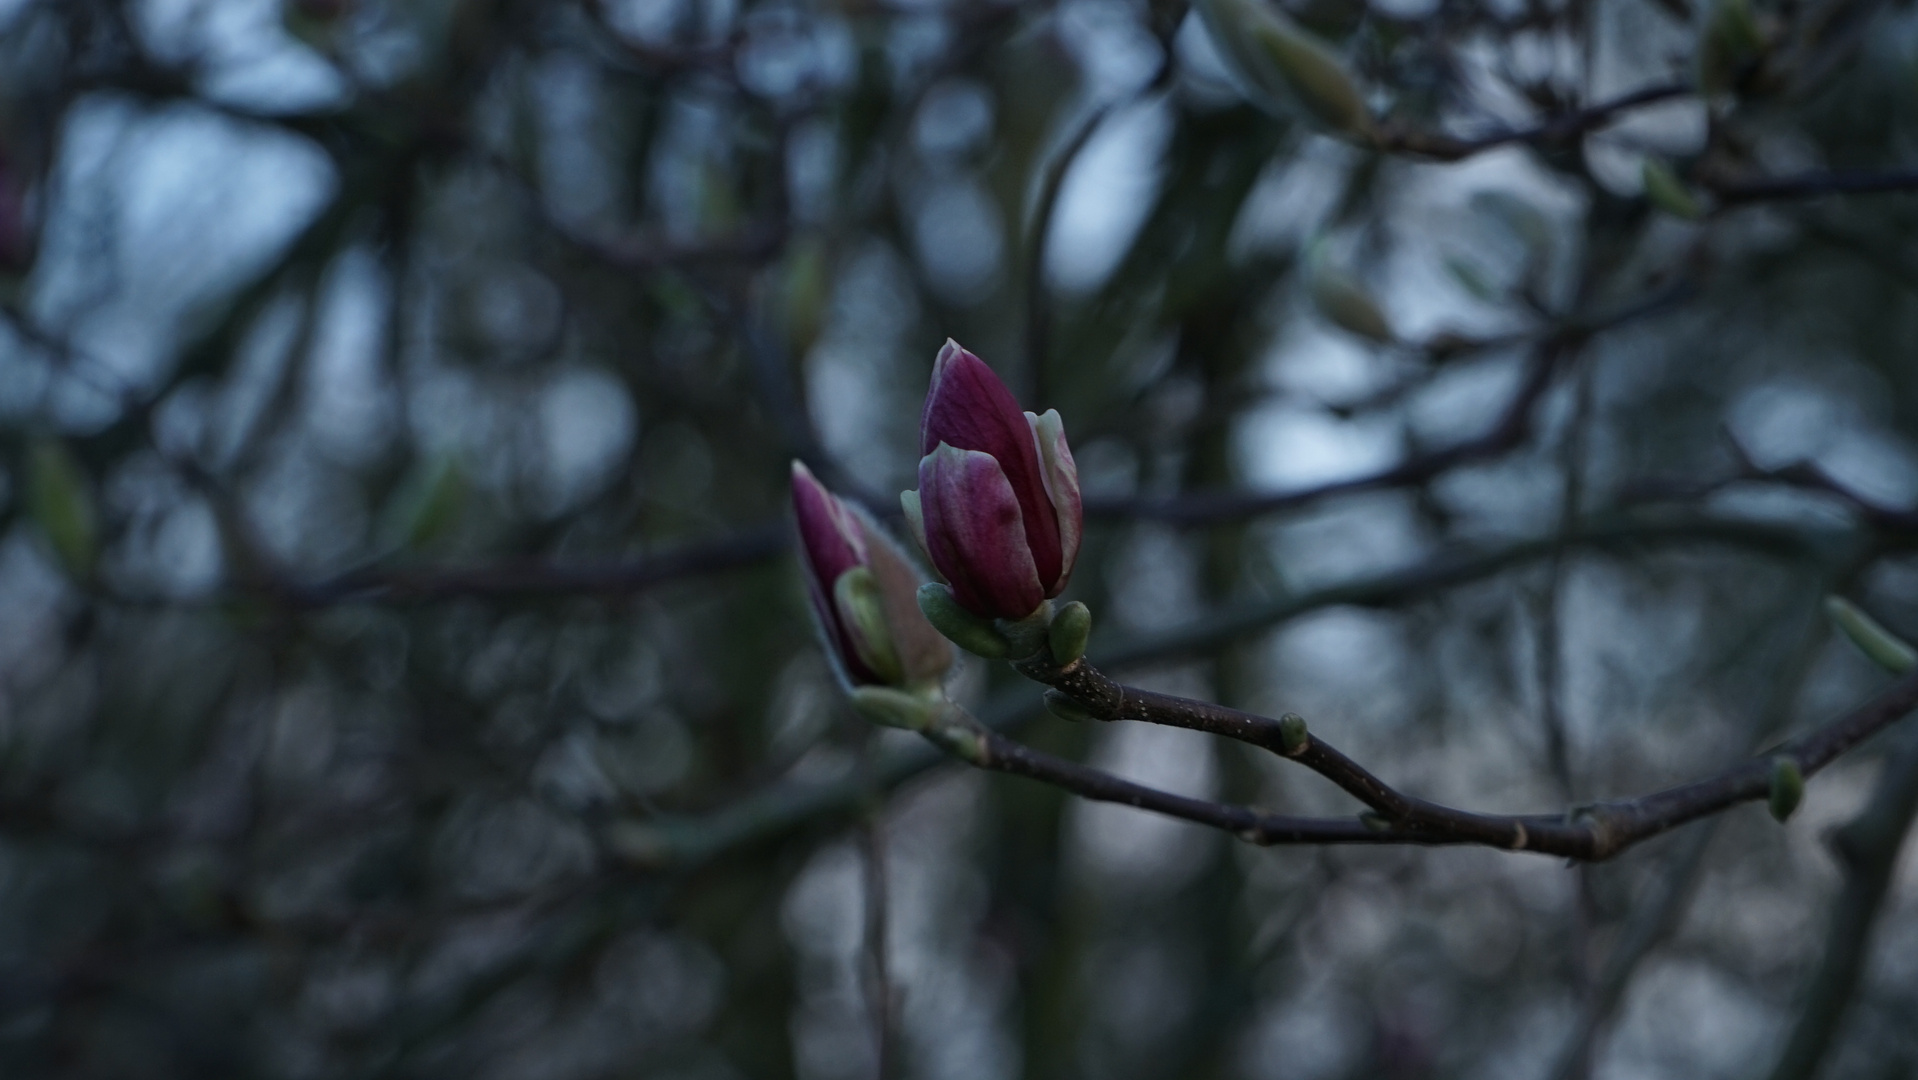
pixel 970 632
pixel 1069 631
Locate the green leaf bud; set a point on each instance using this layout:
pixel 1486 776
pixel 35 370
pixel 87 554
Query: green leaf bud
pixel 60 501
pixel 1885 648
pixel 1349 307
pixel 1787 787
pixel 1068 633
pixel 1286 67
pixel 970 632
pixel 1666 191
pixel 1293 736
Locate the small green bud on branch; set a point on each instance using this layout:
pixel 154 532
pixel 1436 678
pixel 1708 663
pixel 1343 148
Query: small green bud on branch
pixel 1787 787
pixel 1293 737
pixel 60 499
pixel 1070 630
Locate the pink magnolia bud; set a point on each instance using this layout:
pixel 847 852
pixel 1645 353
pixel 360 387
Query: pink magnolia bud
pixel 997 508
pixel 864 593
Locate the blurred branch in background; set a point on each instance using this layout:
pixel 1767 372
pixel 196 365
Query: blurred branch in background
pixel 400 669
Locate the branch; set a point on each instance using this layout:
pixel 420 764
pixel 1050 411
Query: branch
pixel 1812 186
pixel 1507 433
pixel 689 840
pixel 1868 849
pixel 1592 833
pixel 533 579
pixel 1557 130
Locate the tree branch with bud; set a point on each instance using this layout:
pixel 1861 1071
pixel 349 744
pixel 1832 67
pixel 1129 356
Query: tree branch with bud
pixel 999 514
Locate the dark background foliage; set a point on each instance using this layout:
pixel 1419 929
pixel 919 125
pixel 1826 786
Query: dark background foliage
pixel 402 668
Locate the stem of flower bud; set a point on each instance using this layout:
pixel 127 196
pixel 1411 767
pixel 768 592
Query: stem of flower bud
pixel 1025 637
pixel 961 627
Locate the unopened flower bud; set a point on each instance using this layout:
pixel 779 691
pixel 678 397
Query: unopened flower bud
pixel 1284 65
pixel 60 500
pixel 997 508
pixel 1885 648
pixel 1067 635
pixel 862 588
pixel 1787 787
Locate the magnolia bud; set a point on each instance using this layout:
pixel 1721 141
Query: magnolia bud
pixel 1666 191
pixel 862 591
pixel 1068 633
pixel 961 627
pixel 1787 787
pixel 1349 307
pixel 1283 65
pixel 1885 648
pixel 60 499
pixel 998 507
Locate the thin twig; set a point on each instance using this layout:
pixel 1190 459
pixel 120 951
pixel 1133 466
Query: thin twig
pixel 1814 185
pixel 1557 130
pixel 1507 433
pixel 693 839
pixel 1038 297
pixel 533 579
pixel 1596 832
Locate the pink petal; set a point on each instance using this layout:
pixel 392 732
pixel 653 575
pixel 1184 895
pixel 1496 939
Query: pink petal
pixel 1062 488
pixel 968 408
pixel 975 534
pixel 830 543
